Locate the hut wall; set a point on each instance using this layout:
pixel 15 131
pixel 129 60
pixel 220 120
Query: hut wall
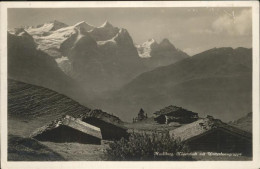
pixel 221 141
pixel 182 119
pixel 166 119
pixel 108 130
pixel 160 119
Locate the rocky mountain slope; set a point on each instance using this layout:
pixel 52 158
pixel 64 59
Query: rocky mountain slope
pixel 108 63
pixel 43 29
pixel 244 123
pixel 107 53
pixel 104 32
pixel 217 82
pixel 159 54
pixel 28 64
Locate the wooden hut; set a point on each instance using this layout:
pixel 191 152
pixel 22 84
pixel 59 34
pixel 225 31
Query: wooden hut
pixel 69 129
pixel 89 128
pixel 110 129
pixel 212 135
pixel 175 114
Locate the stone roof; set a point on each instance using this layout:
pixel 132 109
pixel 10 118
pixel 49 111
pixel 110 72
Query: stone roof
pixel 203 126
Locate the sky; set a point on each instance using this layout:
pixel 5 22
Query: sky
pixel 192 30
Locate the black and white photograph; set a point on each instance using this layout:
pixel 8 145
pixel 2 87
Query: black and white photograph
pixel 131 83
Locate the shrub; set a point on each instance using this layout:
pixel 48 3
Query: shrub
pixel 144 147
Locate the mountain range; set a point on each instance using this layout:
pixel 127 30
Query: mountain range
pixel 107 53
pixel 102 67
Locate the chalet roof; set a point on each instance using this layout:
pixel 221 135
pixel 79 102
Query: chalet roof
pixel 203 126
pixel 108 118
pixel 73 123
pixel 171 110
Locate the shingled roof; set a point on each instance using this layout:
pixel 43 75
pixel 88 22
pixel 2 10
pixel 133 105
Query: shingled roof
pixel 204 126
pixel 169 110
pixel 70 122
pixel 103 116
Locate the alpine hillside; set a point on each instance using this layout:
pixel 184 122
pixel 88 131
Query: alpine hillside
pixel 216 82
pixel 31 107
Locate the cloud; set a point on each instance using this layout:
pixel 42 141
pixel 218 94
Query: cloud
pixel 233 24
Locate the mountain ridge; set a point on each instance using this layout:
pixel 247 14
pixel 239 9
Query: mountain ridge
pixel 28 64
pixel 217 82
pixel 114 66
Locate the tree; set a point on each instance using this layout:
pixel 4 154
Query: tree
pixel 141 115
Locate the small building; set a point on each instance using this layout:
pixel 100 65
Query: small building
pixel 175 114
pixel 111 126
pixel 69 129
pixel 89 128
pixel 212 135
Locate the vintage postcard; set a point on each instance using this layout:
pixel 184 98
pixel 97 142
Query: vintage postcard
pixel 130 84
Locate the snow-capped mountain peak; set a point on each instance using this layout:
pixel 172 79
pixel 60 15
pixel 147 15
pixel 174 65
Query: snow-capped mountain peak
pixel 84 25
pixel 122 33
pixel 144 50
pixel 57 25
pixel 123 38
pixel 23 34
pixel 159 54
pixel 106 24
pixel 43 29
pixel 18 31
pixel 150 42
pixel 19 34
pixel 104 32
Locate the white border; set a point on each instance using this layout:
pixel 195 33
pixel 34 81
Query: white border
pixel 179 164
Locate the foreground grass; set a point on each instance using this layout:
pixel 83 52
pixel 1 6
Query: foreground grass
pixel 27 149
